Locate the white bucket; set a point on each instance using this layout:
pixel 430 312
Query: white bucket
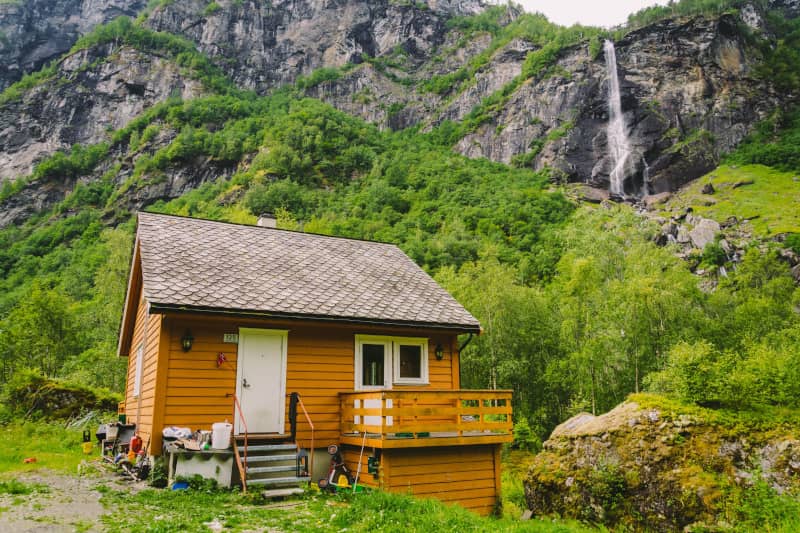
pixel 221 435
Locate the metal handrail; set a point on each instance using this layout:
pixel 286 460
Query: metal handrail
pixel 242 468
pixel 311 425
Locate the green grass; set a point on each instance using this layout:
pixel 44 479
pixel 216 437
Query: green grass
pixel 168 511
pixel 54 447
pixel 770 202
pixel 15 487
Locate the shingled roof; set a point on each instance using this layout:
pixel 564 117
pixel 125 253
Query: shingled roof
pixel 204 265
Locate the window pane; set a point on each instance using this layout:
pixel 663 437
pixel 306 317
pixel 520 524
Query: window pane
pixel 410 361
pixel 372 372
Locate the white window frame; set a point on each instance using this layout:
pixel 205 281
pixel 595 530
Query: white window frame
pixel 391 368
pixel 137 375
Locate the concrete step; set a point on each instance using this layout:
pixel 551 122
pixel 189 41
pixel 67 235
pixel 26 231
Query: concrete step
pixel 275 481
pixel 270 469
pixel 267 448
pixel 281 493
pixel 268 458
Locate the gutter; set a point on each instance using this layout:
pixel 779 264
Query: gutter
pixel 461 349
pixel 164 308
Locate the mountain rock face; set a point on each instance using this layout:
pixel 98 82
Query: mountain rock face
pixel 261 45
pixel 688 95
pixel 655 469
pixel 83 103
pixel 690 89
pixel 35 32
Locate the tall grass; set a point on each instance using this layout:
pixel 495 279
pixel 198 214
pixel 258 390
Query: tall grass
pixel 49 443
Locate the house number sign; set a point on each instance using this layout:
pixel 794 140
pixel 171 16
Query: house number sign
pixel 231 338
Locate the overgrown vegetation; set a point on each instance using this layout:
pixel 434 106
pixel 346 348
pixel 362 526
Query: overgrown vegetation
pixel 684 8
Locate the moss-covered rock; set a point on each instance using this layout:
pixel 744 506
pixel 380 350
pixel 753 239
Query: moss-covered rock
pixel 654 464
pixel 30 394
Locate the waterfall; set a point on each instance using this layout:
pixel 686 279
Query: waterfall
pixel 618 145
pixel 645 178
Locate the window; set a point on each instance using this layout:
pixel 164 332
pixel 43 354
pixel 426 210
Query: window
pixel 137 375
pixel 383 361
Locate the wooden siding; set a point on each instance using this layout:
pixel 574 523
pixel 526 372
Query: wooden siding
pixel 350 455
pixel 140 409
pixel 320 364
pixel 466 475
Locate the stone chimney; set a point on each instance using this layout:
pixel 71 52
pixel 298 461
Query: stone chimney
pixel 267 220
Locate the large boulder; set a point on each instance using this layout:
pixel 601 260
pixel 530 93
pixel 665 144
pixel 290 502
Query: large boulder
pixel 652 466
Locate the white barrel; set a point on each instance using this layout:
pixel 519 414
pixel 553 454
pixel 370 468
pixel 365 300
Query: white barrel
pixel 221 435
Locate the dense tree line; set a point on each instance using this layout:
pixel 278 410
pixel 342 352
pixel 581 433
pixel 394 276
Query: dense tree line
pixel 622 315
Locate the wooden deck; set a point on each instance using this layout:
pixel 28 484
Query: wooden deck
pixel 424 418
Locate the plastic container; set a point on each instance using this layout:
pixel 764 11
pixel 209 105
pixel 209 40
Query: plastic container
pixel 221 435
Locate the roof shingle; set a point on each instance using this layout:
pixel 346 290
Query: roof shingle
pixel 205 264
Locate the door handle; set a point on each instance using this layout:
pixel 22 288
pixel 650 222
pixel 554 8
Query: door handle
pixel 245 384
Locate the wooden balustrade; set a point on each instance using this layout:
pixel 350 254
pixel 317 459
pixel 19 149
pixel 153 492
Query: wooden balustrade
pixel 418 418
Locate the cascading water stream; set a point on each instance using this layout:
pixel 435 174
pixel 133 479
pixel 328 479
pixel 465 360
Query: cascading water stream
pixel 619 147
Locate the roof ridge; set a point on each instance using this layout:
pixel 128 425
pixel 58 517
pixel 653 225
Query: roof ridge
pixel 199 263
pixel 243 225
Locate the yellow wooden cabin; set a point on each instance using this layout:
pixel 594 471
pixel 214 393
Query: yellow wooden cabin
pixel 224 322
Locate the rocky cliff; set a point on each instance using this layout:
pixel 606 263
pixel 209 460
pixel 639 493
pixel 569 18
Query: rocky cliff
pixel 688 96
pixel 690 92
pixel 690 87
pixel 35 32
pixel 660 466
pixel 93 92
pixel 262 45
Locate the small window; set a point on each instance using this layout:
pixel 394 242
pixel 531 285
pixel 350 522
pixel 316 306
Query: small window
pixel 137 374
pixel 382 361
pixel 374 359
pixel 410 361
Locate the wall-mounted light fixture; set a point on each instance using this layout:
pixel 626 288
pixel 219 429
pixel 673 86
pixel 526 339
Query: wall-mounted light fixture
pixel 439 352
pixel 187 340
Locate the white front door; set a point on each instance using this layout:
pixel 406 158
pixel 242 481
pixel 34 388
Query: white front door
pixel 261 380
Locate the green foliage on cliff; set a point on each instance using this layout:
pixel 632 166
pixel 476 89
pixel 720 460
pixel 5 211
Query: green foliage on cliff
pixel 682 8
pixel 773 143
pixel 764 196
pixel 124 31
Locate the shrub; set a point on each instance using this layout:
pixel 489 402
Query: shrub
pixel 793 242
pixel 30 394
pixel 281 194
pixel 525 438
pixel 713 254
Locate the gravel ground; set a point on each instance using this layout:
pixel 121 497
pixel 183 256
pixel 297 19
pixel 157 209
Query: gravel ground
pixel 62 502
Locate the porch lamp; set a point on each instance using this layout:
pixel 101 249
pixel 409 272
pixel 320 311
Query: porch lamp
pixel 439 352
pixel 186 341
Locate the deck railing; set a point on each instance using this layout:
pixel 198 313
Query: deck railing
pixel 416 418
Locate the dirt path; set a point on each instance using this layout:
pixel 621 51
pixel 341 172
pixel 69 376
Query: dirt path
pixel 58 502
